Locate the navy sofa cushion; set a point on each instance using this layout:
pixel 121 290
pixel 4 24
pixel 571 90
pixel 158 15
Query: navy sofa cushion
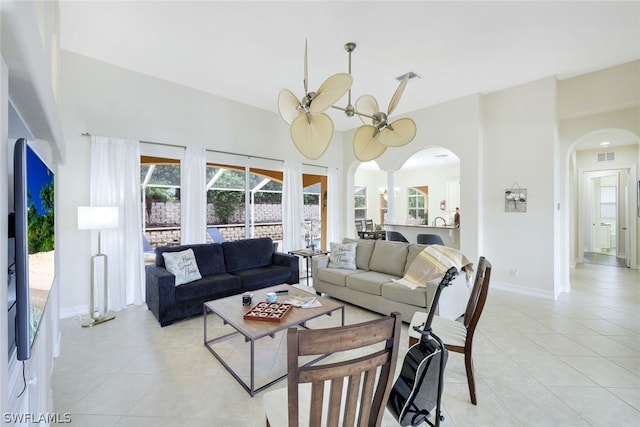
pixel 249 253
pixel 209 287
pixel 209 257
pixel 262 277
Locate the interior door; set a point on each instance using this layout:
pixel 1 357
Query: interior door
pixel 625 215
pixel 608 215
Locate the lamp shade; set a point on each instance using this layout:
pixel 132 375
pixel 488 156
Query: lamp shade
pixel 97 217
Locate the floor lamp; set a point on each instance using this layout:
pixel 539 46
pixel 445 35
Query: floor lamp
pixel 98 218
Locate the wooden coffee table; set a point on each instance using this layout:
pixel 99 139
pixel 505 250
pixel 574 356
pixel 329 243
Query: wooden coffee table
pixel 231 311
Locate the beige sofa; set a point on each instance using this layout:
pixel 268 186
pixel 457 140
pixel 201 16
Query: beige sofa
pixel 371 284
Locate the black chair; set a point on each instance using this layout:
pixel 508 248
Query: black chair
pixel 394 236
pixel 429 239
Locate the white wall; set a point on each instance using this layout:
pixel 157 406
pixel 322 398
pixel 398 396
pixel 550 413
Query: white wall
pixel 4 172
pixel 27 71
pixel 607 100
pixel 106 100
pixel 520 147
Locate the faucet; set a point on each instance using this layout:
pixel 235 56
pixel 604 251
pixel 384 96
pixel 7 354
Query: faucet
pixel 435 220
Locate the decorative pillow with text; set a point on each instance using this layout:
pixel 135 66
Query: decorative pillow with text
pixel 343 255
pixel 182 265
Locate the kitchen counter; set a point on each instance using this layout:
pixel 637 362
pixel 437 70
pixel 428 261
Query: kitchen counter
pixel 422 226
pixel 450 235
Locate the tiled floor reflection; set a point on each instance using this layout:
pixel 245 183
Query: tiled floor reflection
pixel 570 362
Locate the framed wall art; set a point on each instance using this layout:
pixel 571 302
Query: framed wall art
pixel 515 199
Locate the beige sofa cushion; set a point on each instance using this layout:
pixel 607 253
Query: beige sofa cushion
pixel 389 257
pixel 414 250
pixel 363 251
pixel 335 276
pixel 395 292
pixel 369 282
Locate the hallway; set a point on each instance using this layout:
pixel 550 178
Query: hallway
pixel 603 259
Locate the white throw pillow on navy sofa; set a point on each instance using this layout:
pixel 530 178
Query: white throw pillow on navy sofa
pixel 183 265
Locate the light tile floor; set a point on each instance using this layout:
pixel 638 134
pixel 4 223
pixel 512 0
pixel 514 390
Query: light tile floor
pixel 570 362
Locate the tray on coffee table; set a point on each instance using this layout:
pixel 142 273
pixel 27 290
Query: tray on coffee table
pixel 268 311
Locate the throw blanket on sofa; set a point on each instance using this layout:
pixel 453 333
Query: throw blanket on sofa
pixel 432 263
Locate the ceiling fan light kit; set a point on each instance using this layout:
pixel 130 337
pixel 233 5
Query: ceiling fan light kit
pixel 311 129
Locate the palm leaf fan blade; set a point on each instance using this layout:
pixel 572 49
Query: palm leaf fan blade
pixel 365 145
pixel 395 99
pixel 368 106
pixel 330 92
pixel 312 134
pixel 399 133
pixel 288 106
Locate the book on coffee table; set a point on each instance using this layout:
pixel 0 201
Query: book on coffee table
pixel 303 301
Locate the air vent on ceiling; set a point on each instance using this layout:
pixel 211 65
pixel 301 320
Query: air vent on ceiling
pixel 411 75
pixel 606 157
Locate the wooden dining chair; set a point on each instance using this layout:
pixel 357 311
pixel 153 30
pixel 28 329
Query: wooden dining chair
pixel 458 336
pixel 351 388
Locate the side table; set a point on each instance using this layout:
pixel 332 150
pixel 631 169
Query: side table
pixel 307 254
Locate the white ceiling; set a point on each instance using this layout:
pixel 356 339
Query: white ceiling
pixel 249 51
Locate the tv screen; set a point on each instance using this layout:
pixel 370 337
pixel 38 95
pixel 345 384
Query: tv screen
pixel 34 242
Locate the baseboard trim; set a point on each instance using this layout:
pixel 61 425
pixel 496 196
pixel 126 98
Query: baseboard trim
pixel 520 290
pixel 80 310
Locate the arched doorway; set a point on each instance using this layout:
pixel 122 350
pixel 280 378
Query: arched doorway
pixel 427 186
pixel 603 164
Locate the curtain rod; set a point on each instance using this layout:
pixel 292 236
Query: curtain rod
pixel 220 152
pixel 146 142
pixel 249 156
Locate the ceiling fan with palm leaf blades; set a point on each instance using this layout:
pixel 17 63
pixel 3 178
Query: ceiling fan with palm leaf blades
pixel 376 134
pixel 311 129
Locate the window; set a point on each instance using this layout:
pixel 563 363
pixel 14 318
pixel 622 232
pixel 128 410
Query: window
pixel 417 202
pixel 608 201
pixel 360 203
pixel 312 214
pixel 160 182
pixel 265 202
pixel 226 200
pixel 227 211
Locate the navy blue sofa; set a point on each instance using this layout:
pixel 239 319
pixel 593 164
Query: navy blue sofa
pixel 227 268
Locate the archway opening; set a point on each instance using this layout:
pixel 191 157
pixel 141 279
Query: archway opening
pixel 603 164
pixel 426 187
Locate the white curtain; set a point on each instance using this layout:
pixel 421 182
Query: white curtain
pixel 292 207
pixel 193 197
pixel 333 210
pixel 115 181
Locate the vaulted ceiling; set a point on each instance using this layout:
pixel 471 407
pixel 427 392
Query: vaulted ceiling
pixel 249 51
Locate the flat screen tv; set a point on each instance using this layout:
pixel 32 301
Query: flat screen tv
pixel 34 242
